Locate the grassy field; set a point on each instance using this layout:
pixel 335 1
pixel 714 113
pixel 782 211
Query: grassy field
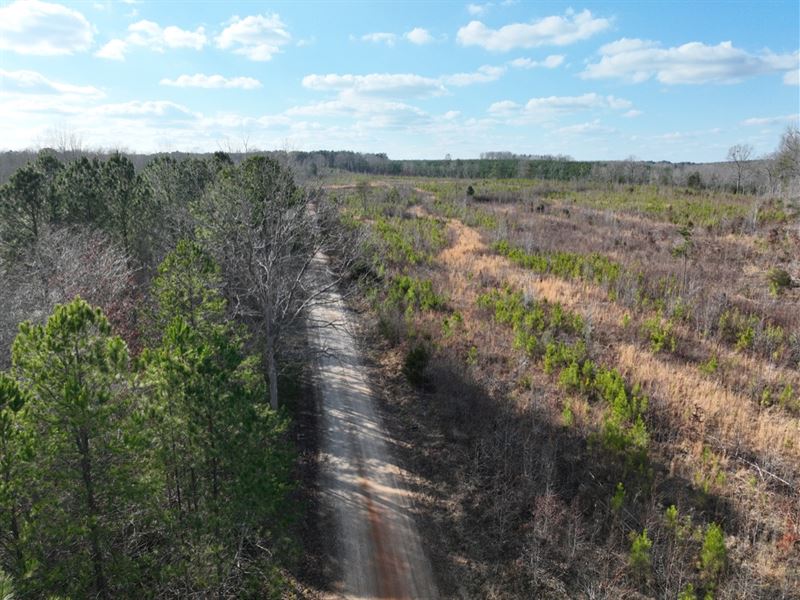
pixel 599 386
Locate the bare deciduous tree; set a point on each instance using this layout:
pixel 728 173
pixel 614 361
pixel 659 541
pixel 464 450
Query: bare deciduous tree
pixel 739 155
pixel 64 263
pixel 788 154
pixel 259 226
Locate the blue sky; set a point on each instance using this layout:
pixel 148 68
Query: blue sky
pixel 595 80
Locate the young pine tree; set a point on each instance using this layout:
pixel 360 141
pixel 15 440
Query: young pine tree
pixel 86 462
pixel 219 445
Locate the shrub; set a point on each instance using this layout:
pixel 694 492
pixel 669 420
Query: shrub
pixel 778 280
pixel 787 397
pixel 695 180
pixel 567 265
pixel 449 324
pixel 416 364
pixel 713 555
pixel 640 555
pixel 618 499
pixel 671 515
pixel 567 416
pixel 472 356
pixel 688 593
pixel 413 294
pixel 710 366
pixel 660 334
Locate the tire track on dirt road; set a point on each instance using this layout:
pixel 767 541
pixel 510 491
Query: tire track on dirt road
pixel 377 545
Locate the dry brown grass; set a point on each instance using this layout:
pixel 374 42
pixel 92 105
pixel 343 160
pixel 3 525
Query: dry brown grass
pixel 494 468
pixel 689 395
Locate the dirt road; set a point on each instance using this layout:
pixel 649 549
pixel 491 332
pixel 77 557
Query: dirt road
pixel 377 547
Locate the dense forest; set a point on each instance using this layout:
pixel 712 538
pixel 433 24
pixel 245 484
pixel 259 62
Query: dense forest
pixel 143 447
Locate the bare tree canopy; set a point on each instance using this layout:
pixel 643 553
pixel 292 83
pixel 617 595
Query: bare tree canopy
pixel 257 223
pixel 739 155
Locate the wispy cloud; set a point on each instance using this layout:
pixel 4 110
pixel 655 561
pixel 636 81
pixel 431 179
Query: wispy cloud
pixel 594 127
pixel 551 62
pixel 553 30
pixel 771 120
pixel 478 9
pixel 44 29
pixel 548 108
pixel 400 85
pixel 31 82
pixel 212 82
pixel 406 85
pixel 638 60
pixel 483 74
pixel 149 34
pixel 380 37
pixel 417 35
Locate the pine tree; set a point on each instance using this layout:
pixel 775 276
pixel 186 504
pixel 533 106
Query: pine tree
pixel 219 446
pixel 14 451
pixel 88 462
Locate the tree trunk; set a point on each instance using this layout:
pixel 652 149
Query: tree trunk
pixel 91 506
pixel 272 374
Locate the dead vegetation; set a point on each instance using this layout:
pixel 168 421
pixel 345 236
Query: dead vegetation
pixel 518 495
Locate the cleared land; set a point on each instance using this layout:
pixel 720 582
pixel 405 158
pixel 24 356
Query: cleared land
pixel 598 386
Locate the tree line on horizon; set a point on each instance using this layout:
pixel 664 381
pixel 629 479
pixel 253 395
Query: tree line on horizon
pixel 739 171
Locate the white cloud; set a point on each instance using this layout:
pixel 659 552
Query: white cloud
pixel 212 81
pixel 683 136
pixel 692 63
pixel 399 85
pixel 573 103
pixel 31 82
pixel 113 50
pixel 380 37
pixel 478 9
pixel 451 114
pixel 381 84
pixel 258 37
pixel 632 114
pixel 44 29
pixel 550 108
pixel 484 74
pixel 593 127
pixel 792 77
pixel 351 104
pixel 554 30
pixel 419 36
pixel 149 34
pixel 771 120
pixel 145 108
pixel 504 108
pixel 551 62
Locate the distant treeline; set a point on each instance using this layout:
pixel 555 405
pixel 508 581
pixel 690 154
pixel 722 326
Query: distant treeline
pixel 769 174
pixel 491 165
